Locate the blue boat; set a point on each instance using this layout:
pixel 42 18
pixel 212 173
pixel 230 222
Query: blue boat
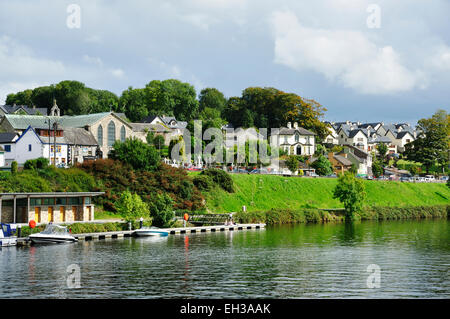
pixel 7 237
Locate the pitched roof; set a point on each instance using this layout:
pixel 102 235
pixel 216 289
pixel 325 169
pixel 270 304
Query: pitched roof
pixel 141 127
pixel 79 136
pixel 21 122
pixel 291 131
pixel 7 137
pixel 10 109
pixel 342 160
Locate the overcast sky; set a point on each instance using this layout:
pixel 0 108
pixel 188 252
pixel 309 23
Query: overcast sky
pixel 322 49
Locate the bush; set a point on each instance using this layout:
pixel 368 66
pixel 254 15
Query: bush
pixel 138 154
pixel 14 167
pixel 38 163
pixel 161 210
pixel 221 178
pixel 203 182
pixel 131 207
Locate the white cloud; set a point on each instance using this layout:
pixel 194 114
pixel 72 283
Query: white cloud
pixel 441 58
pixel 118 73
pixel 93 60
pixel 342 55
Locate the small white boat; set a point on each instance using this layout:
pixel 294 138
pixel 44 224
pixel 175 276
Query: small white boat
pixel 6 237
pixel 151 231
pixel 53 234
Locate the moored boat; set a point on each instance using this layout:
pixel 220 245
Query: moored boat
pixel 53 234
pixel 151 231
pixel 6 236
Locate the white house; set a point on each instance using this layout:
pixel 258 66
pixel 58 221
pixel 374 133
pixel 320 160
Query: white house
pixel 31 146
pixel 2 157
pixel 294 140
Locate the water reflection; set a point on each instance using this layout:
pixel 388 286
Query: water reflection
pixel 301 261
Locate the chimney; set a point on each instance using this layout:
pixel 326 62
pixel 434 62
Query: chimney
pixel 295 125
pixel 330 156
pixel 289 125
pixel 345 155
pixel 400 129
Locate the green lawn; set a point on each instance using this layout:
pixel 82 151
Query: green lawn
pixel 263 192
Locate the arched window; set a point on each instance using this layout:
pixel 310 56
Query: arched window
pixel 299 150
pixel 122 133
pixel 100 135
pixel 111 133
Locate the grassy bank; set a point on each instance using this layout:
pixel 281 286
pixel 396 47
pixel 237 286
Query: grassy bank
pixel 264 192
pixel 289 216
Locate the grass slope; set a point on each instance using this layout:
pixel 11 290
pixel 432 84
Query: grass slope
pixel 263 192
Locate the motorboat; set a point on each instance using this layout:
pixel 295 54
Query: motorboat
pixel 53 234
pixel 151 231
pixel 6 236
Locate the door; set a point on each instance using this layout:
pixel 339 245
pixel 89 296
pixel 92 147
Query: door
pixel 89 213
pixel 37 214
pixel 74 213
pixel 62 212
pixel 50 214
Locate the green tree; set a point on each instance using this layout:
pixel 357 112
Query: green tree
pixel 432 145
pixel 14 167
pixel 292 163
pixel 213 99
pixel 377 168
pixel 138 154
pixel 351 192
pixel 161 210
pixel 134 104
pixel 131 207
pixel 414 170
pixel 382 150
pixel 323 166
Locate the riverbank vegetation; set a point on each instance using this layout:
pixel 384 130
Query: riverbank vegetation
pixel 308 215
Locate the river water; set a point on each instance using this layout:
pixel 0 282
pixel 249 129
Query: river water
pixel 301 261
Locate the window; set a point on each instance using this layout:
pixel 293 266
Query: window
pixel 111 133
pixel 297 137
pixel 74 201
pixel 360 139
pixel 87 200
pixel 7 148
pixel 122 133
pixel 58 148
pixel 60 201
pixel 100 135
pixel 29 147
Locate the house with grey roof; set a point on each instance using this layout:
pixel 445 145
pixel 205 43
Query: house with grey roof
pixel 295 140
pixel 21 110
pixel 172 127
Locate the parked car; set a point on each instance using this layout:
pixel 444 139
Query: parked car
pixel 331 176
pixel 404 179
pixel 443 178
pixel 430 178
pixel 239 170
pixel 259 171
pixel 382 178
pixel 313 175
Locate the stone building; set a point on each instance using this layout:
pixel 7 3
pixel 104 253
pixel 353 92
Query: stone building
pixel 57 207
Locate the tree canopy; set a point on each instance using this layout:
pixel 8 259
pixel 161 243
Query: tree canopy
pixel 432 145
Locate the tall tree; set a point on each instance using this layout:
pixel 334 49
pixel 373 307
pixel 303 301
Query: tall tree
pixel 212 98
pixel 351 192
pixel 432 146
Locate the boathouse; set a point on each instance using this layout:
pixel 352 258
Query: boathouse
pixel 57 207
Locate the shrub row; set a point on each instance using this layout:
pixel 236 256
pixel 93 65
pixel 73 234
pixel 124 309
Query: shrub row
pixel 413 212
pixel 287 216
